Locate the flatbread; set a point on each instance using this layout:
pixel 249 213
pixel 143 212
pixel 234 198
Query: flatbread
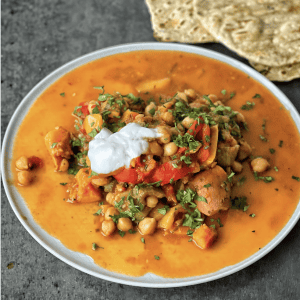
pixel 283 73
pixel 175 21
pixel 266 32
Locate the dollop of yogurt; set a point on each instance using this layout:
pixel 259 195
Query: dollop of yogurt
pixel 110 151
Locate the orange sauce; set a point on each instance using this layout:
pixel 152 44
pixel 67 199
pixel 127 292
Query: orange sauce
pixel 76 227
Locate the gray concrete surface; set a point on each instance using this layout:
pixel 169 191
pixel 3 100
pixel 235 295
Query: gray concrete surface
pixel 38 36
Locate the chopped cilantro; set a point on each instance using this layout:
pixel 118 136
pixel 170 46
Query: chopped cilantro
pixel 229 177
pixel 95 246
pixel 163 210
pixel 224 92
pixel 272 151
pixel 264 139
pixel 239 203
pixel 53 145
pixel 62 94
pixel 249 105
pixel 252 215
pixel 98 212
pixel 132 231
pixel 207 185
pixel 219 222
pixel 121 233
pixel 93 133
pixel 241 181
pixel 152 111
pixel 276 169
pixel 256 96
pixel 280 144
pixel 296 178
pixel 232 95
pixel 143 240
pixel 96 110
pixel 201 198
pixel 63 183
pixel 156 257
pixel 266 179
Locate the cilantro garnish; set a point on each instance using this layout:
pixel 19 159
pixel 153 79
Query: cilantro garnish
pixel 143 240
pixel 249 105
pixel 264 139
pixel 53 145
pixel 122 233
pixel 296 178
pixel 256 96
pixel 63 183
pixel 266 179
pixel 163 210
pixel 62 94
pixel 156 257
pixel 239 203
pixel 93 133
pixel 98 212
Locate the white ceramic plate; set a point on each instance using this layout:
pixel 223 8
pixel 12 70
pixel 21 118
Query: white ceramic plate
pixel 84 262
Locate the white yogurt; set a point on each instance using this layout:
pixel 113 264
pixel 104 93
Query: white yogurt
pixel 110 151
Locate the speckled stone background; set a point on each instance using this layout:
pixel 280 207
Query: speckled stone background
pixel 39 36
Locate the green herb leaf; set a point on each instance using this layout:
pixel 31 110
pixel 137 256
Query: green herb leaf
pixel 256 96
pixel 207 185
pixel 249 105
pixel 93 133
pixel 53 145
pixel 252 215
pixel 272 151
pixel 264 139
pixel 121 233
pixel 98 212
pixel 280 144
pixel 239 203
pixel 143 240
pixel 63 183
pixel 62 94
pixel 224 92
pixel 296 178
pixel 156 257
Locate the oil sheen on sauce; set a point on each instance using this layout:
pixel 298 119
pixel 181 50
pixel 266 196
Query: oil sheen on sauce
pixel 241 236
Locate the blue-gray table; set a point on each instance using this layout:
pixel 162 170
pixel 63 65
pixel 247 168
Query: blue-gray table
pixel 39 36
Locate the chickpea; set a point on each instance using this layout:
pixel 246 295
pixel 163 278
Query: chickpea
pixel 168 118
pixel 151 201
pixel 165 137
pixel 259 164
pixel 240 118
pixel 108 227
pixel 147 226
pixel 149 108
pixel 124 224
pixel 237 167
pixel 111 212
pixel 22 163
pixel 25 177
pixel 182 96
pixel 187 122
pixel 110 198
pixel 64 165
pixel 174 131
pixel 213 97
pixel 190 93
pixel 156 149
pixel 170 149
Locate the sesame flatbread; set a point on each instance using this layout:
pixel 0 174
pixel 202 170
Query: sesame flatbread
pixel 283 73
pixel 265 32
pixel 175 21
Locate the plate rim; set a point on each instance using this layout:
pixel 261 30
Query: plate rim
pixel 160 282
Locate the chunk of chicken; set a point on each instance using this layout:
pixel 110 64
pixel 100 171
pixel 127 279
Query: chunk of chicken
pixel 212 185
pixel 58 144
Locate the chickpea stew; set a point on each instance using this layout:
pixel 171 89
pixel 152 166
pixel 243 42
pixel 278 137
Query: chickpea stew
pixel 152 155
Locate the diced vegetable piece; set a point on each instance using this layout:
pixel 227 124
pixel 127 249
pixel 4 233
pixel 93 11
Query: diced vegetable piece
pixel 129 116
pixel 58 144
pixel 168 219
pixel 153 85
pixel 205 236
pixel 86 191
pixel 92 122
